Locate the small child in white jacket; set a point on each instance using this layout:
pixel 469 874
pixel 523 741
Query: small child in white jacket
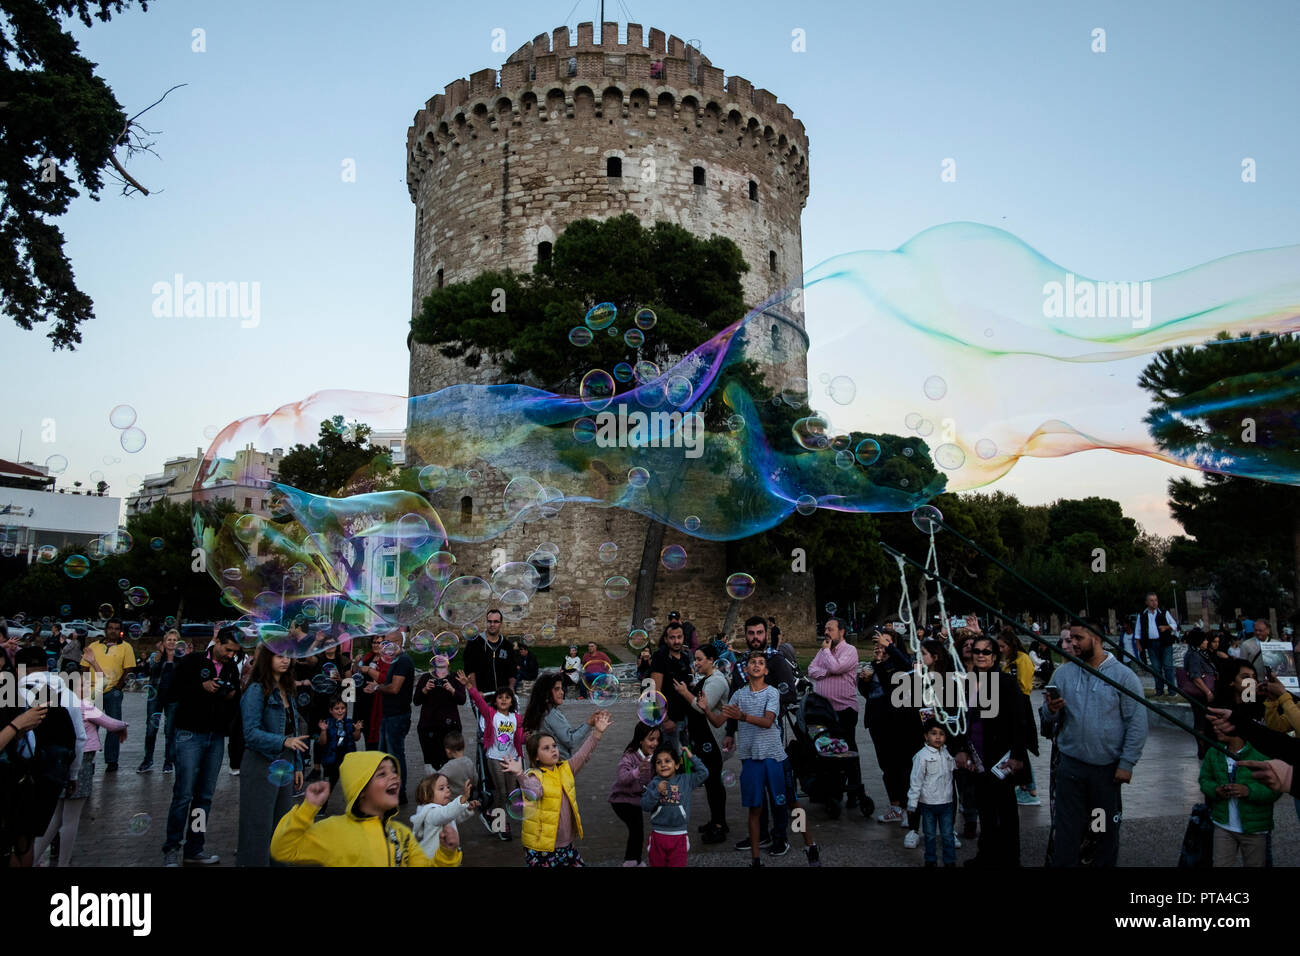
pixel 436 814
pixel 931 792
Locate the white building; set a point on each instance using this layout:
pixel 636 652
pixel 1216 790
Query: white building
pixel 33 515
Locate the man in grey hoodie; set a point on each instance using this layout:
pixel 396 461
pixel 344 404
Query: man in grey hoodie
pixel 1100 734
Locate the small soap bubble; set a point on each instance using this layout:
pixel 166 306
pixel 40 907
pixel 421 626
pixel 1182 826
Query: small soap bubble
pixel 805 504
pixel 638 477
pixel 623 371
pixel 138 824
pixel 935 388
pixel 841 390
pixel 729 778
pixel 580 336
pixel 446 644
pixel 740 586
pixel 432 477
pixel 156 544
pixel 122 416
pixel 617 587
pixel 925 428
pixel 949 456
pixel 645 320
pixel 280 773
pixel 912 419
pixel 548 631
pixel 645 371
pixel 105 611
pixel 831 608
pixel 986 448
pixel 596 389
pixel 673 557
pixel 607 552
pixel 603 689
pixel 133 439
pixel 584 430
pixel 692 523
pixel 634 338
pixel 422 641
pixel 638 639
pixel 47 554
pixel 867 452
pixel 601 316
pixel 679 391
pixel 927 518
pixel 652 708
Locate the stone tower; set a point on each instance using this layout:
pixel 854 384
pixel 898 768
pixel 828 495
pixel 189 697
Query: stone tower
pixel 498 165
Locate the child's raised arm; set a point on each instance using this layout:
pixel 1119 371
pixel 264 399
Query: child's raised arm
pixel 293 841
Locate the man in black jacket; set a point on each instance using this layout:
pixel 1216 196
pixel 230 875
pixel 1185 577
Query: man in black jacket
pixel 205 689
pixel 995 728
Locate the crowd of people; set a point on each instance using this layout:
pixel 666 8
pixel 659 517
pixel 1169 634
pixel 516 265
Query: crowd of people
pixel 299 728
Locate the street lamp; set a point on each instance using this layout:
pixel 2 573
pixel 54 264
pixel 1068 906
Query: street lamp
pixel 1087 606
pixel 1174 591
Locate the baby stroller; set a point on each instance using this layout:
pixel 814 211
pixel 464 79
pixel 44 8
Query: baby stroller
pixel 818 757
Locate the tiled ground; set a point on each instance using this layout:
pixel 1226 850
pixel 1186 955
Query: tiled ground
pixel 1155 810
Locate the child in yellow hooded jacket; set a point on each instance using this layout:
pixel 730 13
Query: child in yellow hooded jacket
pixel 365 834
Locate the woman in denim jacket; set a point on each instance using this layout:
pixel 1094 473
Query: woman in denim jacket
pixel 273 761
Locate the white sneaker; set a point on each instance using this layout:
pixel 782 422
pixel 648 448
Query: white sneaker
pixel 234 773
pixel 956 841
pixel 912 840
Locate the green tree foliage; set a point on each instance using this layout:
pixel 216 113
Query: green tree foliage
pixel 692 284
pixel 58 115
pixel 342 462
pixel 1231 406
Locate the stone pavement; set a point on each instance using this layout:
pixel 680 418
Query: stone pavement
pixel 1155 810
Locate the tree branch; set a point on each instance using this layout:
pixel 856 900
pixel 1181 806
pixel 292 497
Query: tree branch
pixel 130 180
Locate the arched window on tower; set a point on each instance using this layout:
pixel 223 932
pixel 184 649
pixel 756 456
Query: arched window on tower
pixel 543 252
pixel 466 510
pixel 776 337
pixel 439 278
pixel 614 167
pixel 771 260
pixel 753 191
pixel 699 176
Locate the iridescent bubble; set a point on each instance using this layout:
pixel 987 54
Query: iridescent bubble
pixel 520 803
pixel 134 630
pixel 805 504
pixel 607 552
pixel 594 669
pixel 841 390
pixel 824 377
pixel 652 708
pixel 231 595
pixel 912 420
pixel 645 371
pixel 210 432
pixel 638 639
pixel 949 456
pixel 729 778
pixel 133 439
pixel 473 475
pixel 810 432
pixel 422 641
pixel 634 338
pixel 105 611
pixel 432 477
pixel 96 477
pixel 580 336
pixel 137 596
pixel 840 442
pixel 464 600
pixel 831 607
pixel 596 389
pixel 867 452
pixel 935 388
pixel 740 586
pixel 623 371
pixel 648 624
pixel 440 567
pixel 139 823
pixel 324 684
pixel 679 391
pixel 280 773
pixel 844 459
pixel 413 530
pixel 645 320
pixel 122 416
pixel 469 632
pixel 447 644
pixel 56 464
pixel 908 452
pixel 603 689
pixel 795 394
pixel 986 448
pixel 232 574
pixel 527 640
pixel 584 430
pixel 638 477
pixel 542 560
pixel 548 631
pixel 601 316
pixel 247 528
pixel 515 576
pixel 47 554
pixel 925 427
pixel 389 651
pixel 156 544
pixel 563 601
pixel 988 333
pixel 927 518
pixel 550 546
pixel 617 587
pixel 735 423
pixel 673 557
pixel 65 610
pixel 521 494
pixel 692 523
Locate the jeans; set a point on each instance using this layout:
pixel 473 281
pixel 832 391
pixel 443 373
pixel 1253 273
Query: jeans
pixel 1162 662
pixel 392 740
pixel 198 762
pixel 157 714
pixel 938 816
pixel 112 707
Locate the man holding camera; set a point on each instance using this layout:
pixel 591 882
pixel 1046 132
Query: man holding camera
pixel 205 689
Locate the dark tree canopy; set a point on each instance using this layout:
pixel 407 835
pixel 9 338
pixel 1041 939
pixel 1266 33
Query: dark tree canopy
pixel 692 284
pixel 342 462
pixel 58 116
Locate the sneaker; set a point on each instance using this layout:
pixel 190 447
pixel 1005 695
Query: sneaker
pixel 956 842
pixel 110 768
pixel 234 772
pixel 912 840
pixel 755 862
pixel 814 855
pixel 204 858
pixel 892 815
pixel 763 843
pixel 168 767
pixel 1026 799
pixel 172 858
pixel 779 848
pixel 145 767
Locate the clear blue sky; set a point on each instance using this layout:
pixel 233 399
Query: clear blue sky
pixel 1122 164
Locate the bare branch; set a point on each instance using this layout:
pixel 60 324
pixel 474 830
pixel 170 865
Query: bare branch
pixel 135 144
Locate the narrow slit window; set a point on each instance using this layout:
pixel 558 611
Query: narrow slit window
pixel 753 191
pixel 439 278
pixel 699 175
pixel 466 510
pixel 614 167
pixel 771 260
pixel 543 252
